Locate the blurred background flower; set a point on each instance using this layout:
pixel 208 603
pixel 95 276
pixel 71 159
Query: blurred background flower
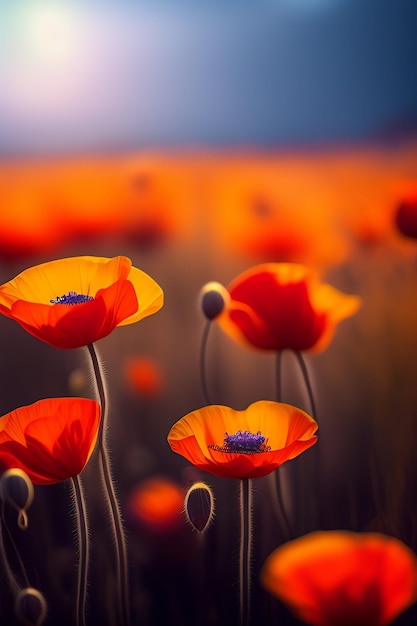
pixel 336 578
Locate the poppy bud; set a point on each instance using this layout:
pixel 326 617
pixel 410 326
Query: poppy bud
pixel 30 607
pixel 199 506
pixel 213 299
pixel 16 489
pixel 406 217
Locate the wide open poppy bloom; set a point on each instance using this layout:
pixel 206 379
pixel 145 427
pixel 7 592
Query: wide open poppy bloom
pixel 243 444
pixel 277 306
pixel 340 578
pixel 50 440
pixel 73 302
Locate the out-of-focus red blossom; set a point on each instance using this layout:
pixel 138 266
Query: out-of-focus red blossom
pixel 51 440
pixel 144 198
pixel 277 306
pixel 143 376
pixel 276 209
pixel 73 302
pixel 156 504
pixel 341 578
pixel 243 444
pixel 406 217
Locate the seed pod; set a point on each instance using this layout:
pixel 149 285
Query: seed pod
pixel 199 506
pixel 16 489
pixel 213 298
pixel 30 607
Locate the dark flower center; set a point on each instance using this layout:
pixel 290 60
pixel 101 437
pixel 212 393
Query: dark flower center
pixel 72 297
pixel 243 443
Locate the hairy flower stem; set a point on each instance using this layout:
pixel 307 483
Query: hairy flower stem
pixel 203 353
pixel 307 382
pixel 313 512
pixel 245 549
pixel 275 482
pixel 14 585
pixel 22 522
pixel 83 549
pixel 110 494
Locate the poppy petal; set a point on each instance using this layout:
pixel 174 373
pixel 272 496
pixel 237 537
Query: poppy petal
pixel 84 275
pixel 50 440
pixel 73 302
pixel 73 326
pixel 339 578
pixel 278 306
pixel 149 293
pixel 200 437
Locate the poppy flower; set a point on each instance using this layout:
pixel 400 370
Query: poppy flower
pixel 340 578
pixel 243 444
pixel 277 306
pixel 276 208
pixel 406 217
pixel 73 302
pixel 50 440
pixel 143 376
pixel 156 504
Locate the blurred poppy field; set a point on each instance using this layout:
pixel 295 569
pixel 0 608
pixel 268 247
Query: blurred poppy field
pixel 208 313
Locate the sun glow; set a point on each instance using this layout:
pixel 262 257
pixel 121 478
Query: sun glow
pixel 50 32
pixel 46 51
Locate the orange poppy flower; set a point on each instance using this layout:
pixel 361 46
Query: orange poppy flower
pixel 73 302
pixel 243 444
pixel 340 578
pixel 50 440
pixel 275 306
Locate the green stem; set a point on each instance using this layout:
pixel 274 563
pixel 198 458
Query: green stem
pixel 245 549
pixel 110 494
pixel 83 550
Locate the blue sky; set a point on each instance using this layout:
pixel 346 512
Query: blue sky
pixel 114 75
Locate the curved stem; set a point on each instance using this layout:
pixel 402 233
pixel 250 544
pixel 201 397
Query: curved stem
pixel 203 352
pixel 307 382
pixel 14 585
pixel 278 375
pixel 83 550
pixel 314 475
pixel 245 549
pixel 110 494
pixel 13 544
pixel 275 477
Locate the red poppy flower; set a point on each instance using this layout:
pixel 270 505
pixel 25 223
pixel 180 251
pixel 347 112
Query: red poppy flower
pixel 73 302
pixel 243 444
pixel 406 216
pixel 50 440
pixel 157 504
pixel 275 306
pixel 340 578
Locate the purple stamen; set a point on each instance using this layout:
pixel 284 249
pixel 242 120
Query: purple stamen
pixel 72 297
pixel 243 443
